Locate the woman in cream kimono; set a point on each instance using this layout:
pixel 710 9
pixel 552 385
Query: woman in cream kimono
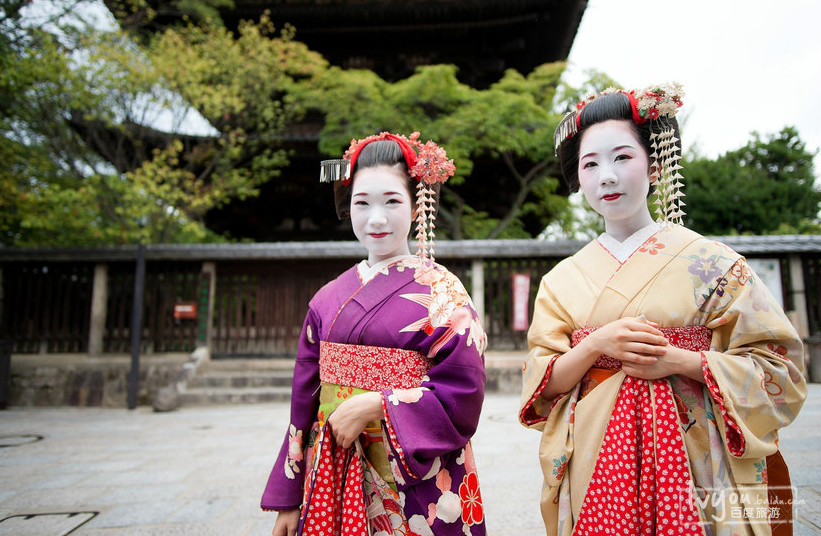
pixel 660 367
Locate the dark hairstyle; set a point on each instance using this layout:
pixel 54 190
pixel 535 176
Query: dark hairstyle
pixel 376 153
pixel 603 108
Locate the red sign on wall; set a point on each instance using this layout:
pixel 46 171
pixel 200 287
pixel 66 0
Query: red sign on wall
pixel 521 301
pixel 185 310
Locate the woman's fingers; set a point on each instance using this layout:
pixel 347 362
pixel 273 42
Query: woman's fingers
pixel 286 523
pixel 649 349
pixel 645 327
pixel 352 416
pixel 340 435
pixel 343 441
pixel 642 338
pixel 638 359
pixel 640 352
pixel 640 342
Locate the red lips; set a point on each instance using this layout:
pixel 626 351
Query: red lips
pixel 378 235
pixel 611 197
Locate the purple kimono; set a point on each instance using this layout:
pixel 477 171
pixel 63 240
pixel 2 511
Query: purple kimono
pixel 405 328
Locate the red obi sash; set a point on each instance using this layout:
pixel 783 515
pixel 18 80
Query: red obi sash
pixel 641 483
pixel 694 338
pixel 371 367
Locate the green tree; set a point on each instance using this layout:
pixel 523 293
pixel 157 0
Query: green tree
pixel 766 187
pixel 84 166
pixel 139 17
pixel 43 156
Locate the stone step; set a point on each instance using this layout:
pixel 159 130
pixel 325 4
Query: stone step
pixel 206 396
pixel 240 381
pixel 242 378
pixel 249 364
pixel 248 381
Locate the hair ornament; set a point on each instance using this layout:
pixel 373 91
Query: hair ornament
pixel 427 163
pixel 650 103
pixel 568 127
pixel 665 162
pixel 658 101
pixel 333 170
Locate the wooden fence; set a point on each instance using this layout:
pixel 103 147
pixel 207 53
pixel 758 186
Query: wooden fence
pixel 166 283
pixel 259 307
pixel 45 306
pixel 252 299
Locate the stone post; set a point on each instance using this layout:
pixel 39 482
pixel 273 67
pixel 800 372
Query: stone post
pixel 205 304
pixel 99 306
pixel 799 296
pixel 477 280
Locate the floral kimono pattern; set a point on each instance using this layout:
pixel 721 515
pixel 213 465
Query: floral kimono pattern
pixel 411 333
pixel 667 456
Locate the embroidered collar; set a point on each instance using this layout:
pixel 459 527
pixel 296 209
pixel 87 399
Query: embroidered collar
pixel 367 272
pixel 623 250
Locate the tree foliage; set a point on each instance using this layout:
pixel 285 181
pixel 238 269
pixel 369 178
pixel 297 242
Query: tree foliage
pixel 143 18
pixel 84 167
pixel 765 187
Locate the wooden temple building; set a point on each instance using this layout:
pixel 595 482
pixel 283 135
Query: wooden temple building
pixel 391 37
pixel 483 38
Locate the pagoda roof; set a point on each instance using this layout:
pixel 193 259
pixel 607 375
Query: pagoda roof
pixel 482 37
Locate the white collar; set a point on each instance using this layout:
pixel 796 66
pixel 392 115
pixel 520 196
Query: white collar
pixel 367 272
pixel 623 250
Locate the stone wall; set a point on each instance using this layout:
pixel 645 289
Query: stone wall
pixel 77 380
pixel 504 371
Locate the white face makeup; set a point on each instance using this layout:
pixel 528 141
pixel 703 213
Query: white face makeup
pixel 614 174
pixel 381 209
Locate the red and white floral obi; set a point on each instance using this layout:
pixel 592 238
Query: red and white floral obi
pixel 372 368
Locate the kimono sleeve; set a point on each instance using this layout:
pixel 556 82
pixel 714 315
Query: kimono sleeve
pixel 425 424
pixel 548 338
pixel 285 483
pixel 754 368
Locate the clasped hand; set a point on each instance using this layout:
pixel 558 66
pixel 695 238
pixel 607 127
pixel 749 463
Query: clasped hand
pixel 631 340
pixel 351 417
pixel 643 350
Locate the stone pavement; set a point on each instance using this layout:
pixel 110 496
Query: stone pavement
pixel 200 470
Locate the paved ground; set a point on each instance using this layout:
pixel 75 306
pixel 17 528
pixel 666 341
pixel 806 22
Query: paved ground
pixel 200 471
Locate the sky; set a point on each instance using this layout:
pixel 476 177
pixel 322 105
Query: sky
pixel 745 66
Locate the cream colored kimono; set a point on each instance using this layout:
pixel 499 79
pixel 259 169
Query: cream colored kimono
pixel 728 427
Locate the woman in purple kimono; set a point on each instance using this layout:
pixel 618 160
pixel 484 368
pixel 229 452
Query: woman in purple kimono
pixel 389 376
